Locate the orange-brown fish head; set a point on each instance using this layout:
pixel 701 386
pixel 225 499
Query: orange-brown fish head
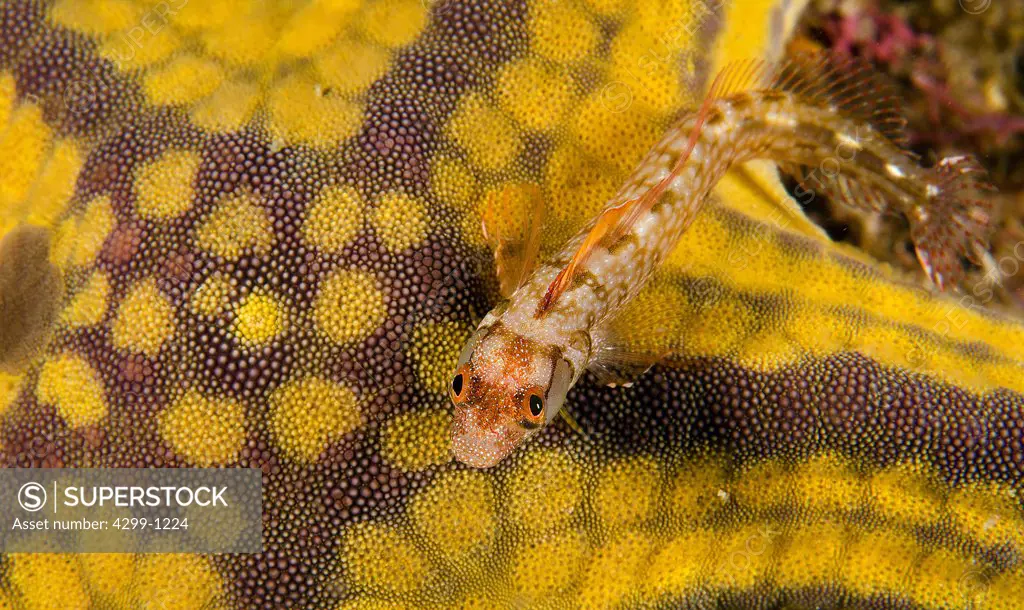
pixel 505 388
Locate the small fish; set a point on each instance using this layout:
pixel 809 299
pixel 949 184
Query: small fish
pixel 515 371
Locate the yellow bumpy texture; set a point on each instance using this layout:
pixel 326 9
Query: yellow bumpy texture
pixel 267 216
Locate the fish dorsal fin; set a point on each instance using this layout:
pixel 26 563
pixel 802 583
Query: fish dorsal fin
pixel 850 85
pixel 613 223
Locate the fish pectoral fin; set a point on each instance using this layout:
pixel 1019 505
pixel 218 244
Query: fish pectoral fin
pixel 619 367
pixel 511 225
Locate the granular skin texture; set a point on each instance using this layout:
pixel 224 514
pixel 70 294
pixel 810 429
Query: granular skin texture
pixel 269 262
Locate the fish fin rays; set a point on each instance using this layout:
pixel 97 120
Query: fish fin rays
pixel 856 194
pixel 949 221
pixel 956 222
pixel 850 85
pixel 617 366
pixel 511 227
pixel 605 224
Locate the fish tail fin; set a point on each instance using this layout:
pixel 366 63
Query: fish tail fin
pixel 953 222
pixel 948 217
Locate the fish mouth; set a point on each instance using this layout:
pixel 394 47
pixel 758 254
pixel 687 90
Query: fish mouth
pixel 480 447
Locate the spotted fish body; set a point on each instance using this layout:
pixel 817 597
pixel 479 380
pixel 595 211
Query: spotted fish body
pixel 556 325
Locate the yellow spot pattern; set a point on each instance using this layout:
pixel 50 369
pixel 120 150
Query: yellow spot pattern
pixel 403 571
pixel 22 148
pixel 309 30
pixel 435 349
pixel 907 492
pixel 945 581
pixel 561 555
pixel 308 414
pixel 453 182
pixel 49 581
pixel 543 491
pixel 676 568
pixel 489 139
pixel 869 560
pixel 878 562
pixel 212 296
pixel 416 441
pixel 614 570
pixel 175 581
pixel 72 385
pixel 244 41
pixel 349 306
pixel 765 484
pixel 698 490
pixel 562 31
pixel 334 219
pixel 228 108
pixel 576 185
pixel 9 387
pixel 612 137
pixel 92 229
pixel 145 319
pixel 1005 593
pixel 908 328
pixel 163 188
pixel 259 319
pixel 564 522
pixel 88 306
pixel 400 221
pixel 301 112
pixel 186 80
pixel 96 16
pixel 207 430
pixel 56 184
pixel 827 483
pixel 350 66
pixel 534 94
pixel 394 23
pixel 811 556
pixel 8 96
pixel 108 574
pixel 989 513
pixel 636 478
pixel 236 226
pixel 458 516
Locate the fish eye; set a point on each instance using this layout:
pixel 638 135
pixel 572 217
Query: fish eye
pixel 536 405
pixel 459 382
pixel 532 406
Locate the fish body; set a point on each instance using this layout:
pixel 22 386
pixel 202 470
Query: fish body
pixel 527 353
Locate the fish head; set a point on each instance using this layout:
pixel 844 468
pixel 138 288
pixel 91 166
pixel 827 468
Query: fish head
pixel 505 388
